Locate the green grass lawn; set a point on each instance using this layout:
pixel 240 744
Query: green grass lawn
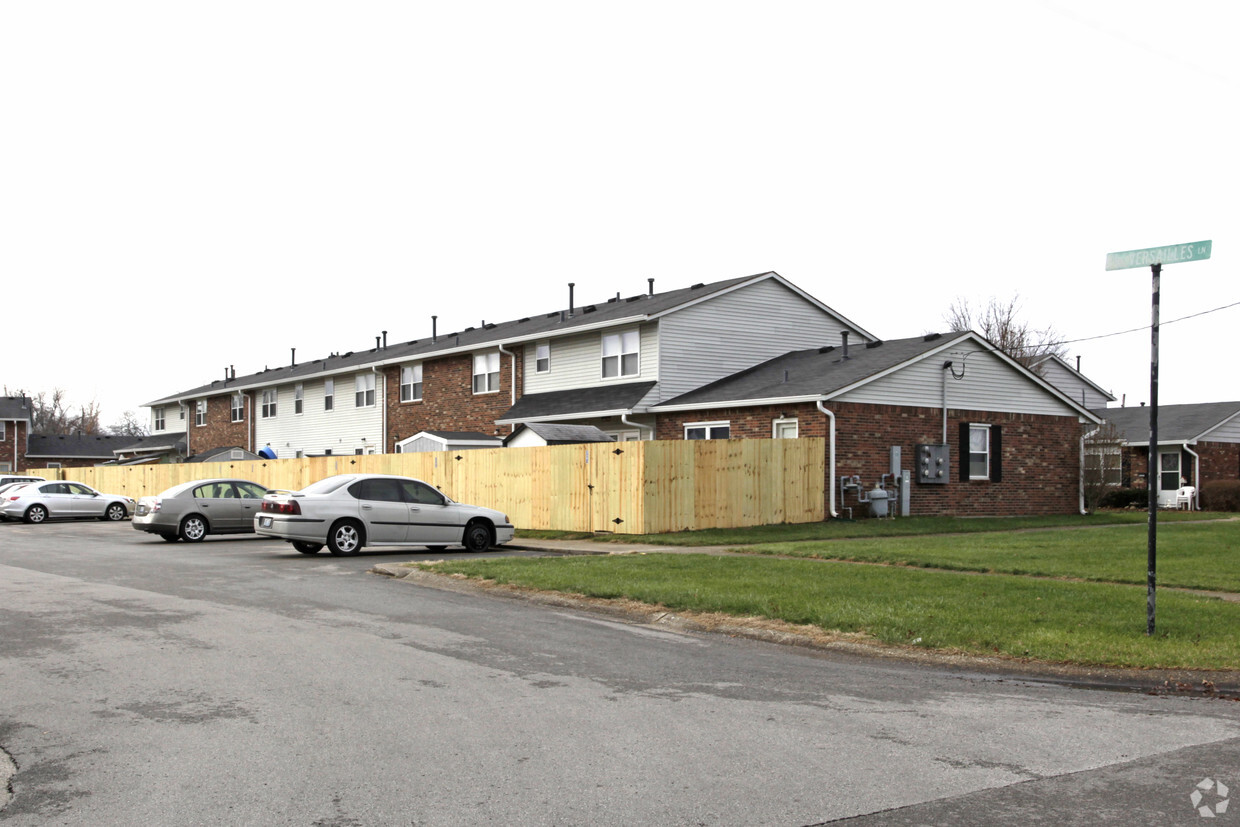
pixel 1007 615
pixel 908 526
pixel 1189 555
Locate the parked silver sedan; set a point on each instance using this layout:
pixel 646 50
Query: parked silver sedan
pixel 38 502
pixel 192 510
pixel 349 511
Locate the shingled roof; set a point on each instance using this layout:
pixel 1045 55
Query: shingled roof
pixel 615 310
pixel 1176 423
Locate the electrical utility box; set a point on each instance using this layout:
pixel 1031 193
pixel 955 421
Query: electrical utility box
pixel 933 464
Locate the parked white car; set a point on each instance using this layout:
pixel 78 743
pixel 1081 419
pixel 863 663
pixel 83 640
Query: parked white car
pixel 349 511
pixel 38 502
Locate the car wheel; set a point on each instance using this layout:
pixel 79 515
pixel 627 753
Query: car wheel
pixel 35 514
pixel 345 538
pixel 169 538
pixel 477 537
pixel 115 512
pixel 193 529
pixel 308 548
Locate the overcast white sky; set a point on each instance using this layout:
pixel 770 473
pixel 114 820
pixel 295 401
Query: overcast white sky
pixel 189 186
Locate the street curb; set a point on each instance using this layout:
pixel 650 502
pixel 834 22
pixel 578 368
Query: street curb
pixel 1222 685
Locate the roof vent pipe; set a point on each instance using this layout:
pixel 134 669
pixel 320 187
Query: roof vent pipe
pixel 434 328
pixel 232 369
pixel 385 340
pixel 570 299
pixel 651 283
pixel 1078 364
pixel 376 343
pixel 294 357
pixel 844 339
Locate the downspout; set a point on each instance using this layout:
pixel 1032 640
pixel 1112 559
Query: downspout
pixel 830 458
pixel 639 426
pixel 383 434
pixel 513 382
pixel 946 367
pixel 1196 477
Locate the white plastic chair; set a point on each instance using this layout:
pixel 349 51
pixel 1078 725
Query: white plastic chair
pixel 1185 497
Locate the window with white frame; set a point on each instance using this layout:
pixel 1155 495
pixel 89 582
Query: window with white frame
pixel 200 412
pixel 364 390
pixel 979 452
pixel 1104 464
pixel 5 467
pixel 181 411
pixel 708 430
pixel 411 383
pixel 1 429
pixel 621 354
pixel 299 397
pixel 160 421
pixel 238 407
pixel 542 358
pixel 269 403
pixel 329 394
pixel 486 372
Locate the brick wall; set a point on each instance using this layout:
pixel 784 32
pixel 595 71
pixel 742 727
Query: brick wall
pixel 1040 454
pixel 220 431
pixel 448 400
pixel 13 446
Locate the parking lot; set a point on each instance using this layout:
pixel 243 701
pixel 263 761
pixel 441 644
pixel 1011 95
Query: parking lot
pixel 238 680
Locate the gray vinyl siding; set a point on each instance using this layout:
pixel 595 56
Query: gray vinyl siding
pixel 315 431
pixel 735 331
pixel 577 361
pixel 1071 385
pixel 988 384
pixel 1227 432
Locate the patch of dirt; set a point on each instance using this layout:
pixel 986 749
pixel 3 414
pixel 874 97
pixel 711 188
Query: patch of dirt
pixel 1200 683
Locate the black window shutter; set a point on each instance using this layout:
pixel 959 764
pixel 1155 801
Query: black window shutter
pixel 964 451
pixel 996 453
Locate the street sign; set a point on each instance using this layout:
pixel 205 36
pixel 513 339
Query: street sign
pixel 1175 254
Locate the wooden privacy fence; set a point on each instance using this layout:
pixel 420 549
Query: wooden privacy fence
pixel 626 487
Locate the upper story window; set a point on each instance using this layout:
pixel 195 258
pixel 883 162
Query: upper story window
pixel 181 411
pixel 269 403
pixel 364 390
pixel 486 372
pixel 299 397
pixel 200 412
pixel 411 383
pixel 542 358
pixel 708 430
pixel 1 429
pixel 160 421
pixel 621 356
pixel 329 394
pixel 238 407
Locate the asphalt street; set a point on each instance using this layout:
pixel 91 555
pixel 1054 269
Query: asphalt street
pixel 236 681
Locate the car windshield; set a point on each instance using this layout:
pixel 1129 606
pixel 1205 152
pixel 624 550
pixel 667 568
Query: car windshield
pixel 176 489
pixel 328 485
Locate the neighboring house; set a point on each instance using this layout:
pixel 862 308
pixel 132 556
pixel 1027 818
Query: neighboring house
pixel 1075 385
pixel 72 450
pixel 548 433
pixel 599 364
pixel 168 446
pixel 229 454
pixel 15 412
pixel 447 441
pixel 979 433
pixel 1197 443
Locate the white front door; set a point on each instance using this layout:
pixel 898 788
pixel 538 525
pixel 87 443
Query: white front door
pixel 1168 477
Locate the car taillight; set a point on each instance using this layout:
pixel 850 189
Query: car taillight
pixel 156 505
pixel 291 507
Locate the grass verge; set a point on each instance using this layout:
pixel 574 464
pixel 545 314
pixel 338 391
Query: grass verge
pixel 1191 556
pixel 845 529
pixel 1005 615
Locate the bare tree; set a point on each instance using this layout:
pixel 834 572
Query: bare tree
pixel 53 414
pixel 1000 322
pixel 128 425
pixel 1104 449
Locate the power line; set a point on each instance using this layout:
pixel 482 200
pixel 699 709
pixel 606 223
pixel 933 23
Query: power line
pixel 1131 330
